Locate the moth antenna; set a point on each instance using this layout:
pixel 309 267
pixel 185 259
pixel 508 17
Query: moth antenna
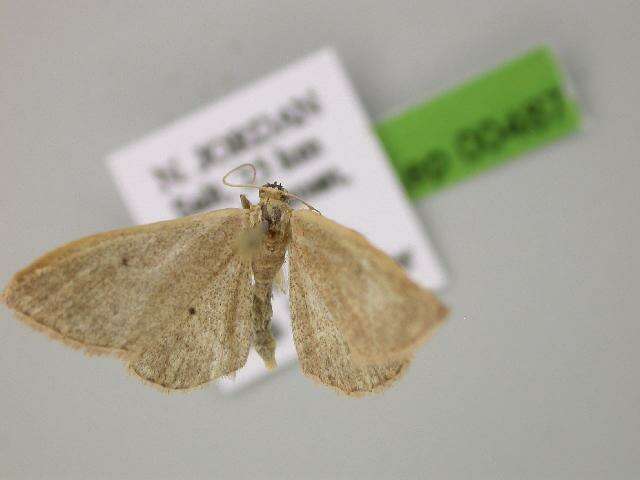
pixel 253 185
pixel 298 198
pixel 241 185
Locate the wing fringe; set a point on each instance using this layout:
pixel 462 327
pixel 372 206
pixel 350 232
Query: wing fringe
pixel 402 370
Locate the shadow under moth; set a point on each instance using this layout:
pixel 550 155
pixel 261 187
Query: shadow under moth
pixel 183 301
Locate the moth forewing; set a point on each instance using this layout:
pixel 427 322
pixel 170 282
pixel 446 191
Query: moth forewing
pixel 382 314
pixel 121 291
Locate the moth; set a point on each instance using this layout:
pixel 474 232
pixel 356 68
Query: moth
pixel 183 301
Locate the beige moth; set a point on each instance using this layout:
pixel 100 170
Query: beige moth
pixel 183 301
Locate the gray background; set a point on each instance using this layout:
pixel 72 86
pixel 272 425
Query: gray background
pixel 535 375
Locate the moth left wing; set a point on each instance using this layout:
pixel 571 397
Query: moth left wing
pixel 173 298
pixel 380 313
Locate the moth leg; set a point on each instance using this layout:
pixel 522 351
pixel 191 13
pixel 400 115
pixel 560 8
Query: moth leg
pixel 246 204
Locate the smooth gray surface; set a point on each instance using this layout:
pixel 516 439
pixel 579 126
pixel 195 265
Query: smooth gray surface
pixel 535 376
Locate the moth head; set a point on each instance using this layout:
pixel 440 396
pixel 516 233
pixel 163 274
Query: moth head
pixel 274 191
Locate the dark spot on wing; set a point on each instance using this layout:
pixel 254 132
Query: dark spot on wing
pixel 125 262
pixel 192 311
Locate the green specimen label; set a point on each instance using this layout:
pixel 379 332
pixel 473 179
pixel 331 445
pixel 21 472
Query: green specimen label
pixel 486 121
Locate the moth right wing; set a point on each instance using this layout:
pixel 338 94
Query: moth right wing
pixel 174 298
pixel 379 312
